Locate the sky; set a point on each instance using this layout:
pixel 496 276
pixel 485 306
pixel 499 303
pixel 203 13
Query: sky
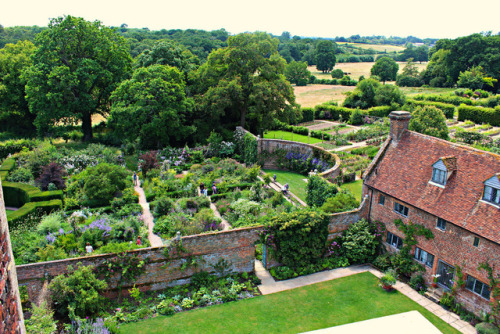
pixel 313 18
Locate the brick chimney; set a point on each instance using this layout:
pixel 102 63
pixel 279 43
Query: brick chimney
pixel 399 123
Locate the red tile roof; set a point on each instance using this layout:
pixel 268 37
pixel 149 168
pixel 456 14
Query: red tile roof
pixel 404 172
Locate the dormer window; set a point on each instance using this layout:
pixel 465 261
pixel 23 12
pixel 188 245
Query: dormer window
pixel 492 190
pixel 439 172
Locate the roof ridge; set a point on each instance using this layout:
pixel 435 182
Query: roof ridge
pixel 458 145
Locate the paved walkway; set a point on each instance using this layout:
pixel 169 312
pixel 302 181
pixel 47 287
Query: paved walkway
pixel 224 223
pixel 148 218
pixel 269 285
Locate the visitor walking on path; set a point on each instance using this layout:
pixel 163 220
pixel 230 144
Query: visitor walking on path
pixel 214 189
pixel 135 179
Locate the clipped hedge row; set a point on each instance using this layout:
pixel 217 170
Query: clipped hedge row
pixel 216 197
pixel 479 114
pixel 451 99
pixel 307 114
pixel 328 111
pixel 45 206
pixel 8 165
pixel 381 111
pixel 447 108
pixel 14 146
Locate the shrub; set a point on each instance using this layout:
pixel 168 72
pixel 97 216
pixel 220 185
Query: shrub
pixel 318 191
pixel 487 328
pixel 148 161
pixel 388 279
pixel 361 241
pixel 298 238
pixel 20 175
pixel 80 291
pixel 356 117
pixel 52 173
pixel 417 282
pixel 163 206
pixel 337 73
pixel 42 320
pixel 430 121
pixel 341 202
pixel 96 186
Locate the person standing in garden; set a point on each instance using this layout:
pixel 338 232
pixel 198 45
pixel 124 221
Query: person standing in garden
pixel 202 188
pixel 88 248
pixel 135 179
pixel 139 242
pixel 214 189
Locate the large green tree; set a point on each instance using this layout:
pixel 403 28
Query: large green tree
pixel 386 69
pixel 15 115
pixel 76 67
pixel 297 73
pixel 170 53
pixel 153 107
pixel 325 56
pixel 244 84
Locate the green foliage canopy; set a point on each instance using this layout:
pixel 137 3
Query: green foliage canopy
pixel 153 107
pixel 76 67
pixel 297 73
pixel 15 115
pixel 430 121
pixel 244 83
pixel 325 56
pixel 386 68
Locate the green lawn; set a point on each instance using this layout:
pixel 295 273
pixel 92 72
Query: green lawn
pixel 288 136
pixel 8 212
pixel 355 188
pixel 295 180
pixel 332 303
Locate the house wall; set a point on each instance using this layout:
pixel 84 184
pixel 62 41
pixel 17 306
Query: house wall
pixel 453 246
pixel 11 315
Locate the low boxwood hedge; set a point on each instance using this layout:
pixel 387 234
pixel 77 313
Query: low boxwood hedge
pixel 31 207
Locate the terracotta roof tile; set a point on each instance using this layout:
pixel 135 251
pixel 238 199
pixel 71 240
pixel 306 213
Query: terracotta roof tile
pixel 404 172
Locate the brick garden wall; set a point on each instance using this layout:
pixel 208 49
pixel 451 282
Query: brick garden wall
pixel 11 315
pixel 454 246
pixel 235 246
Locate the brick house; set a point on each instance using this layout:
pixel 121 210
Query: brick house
pixel 452 189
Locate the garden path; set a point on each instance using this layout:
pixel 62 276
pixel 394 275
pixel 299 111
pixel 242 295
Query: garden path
pixel 148 217
pixel 269 285
pixel 224 223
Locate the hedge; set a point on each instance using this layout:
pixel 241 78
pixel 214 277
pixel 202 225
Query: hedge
pixel 231 187
pixel 45 207
pixel 14 146
pixel 328 111
pixel 47 196
pixel 307 114
pixel 8 165
pixel 447 108
pixel 216 197
pixel 451 99
pixel 381 111
pixel 479 114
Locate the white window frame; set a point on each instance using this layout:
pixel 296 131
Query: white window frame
pixel 439 176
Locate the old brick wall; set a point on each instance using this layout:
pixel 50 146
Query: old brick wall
pixel 270 145
pixel 11 315
pixel 454 246
pixel 235 246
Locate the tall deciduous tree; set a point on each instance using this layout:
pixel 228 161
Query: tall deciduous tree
pixel 168 53
pixel 325 56
pixel 153 107
pixel 297 73
pixel 76 67
pixel 245 83
pixel 14 111
pixel 386 69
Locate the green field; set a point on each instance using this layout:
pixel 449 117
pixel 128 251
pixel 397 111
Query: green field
pixel 332 303
pixel 355 188
pixel 284 135
pixel 296 181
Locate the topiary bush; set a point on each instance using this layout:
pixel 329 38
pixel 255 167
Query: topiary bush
pixel 318 191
